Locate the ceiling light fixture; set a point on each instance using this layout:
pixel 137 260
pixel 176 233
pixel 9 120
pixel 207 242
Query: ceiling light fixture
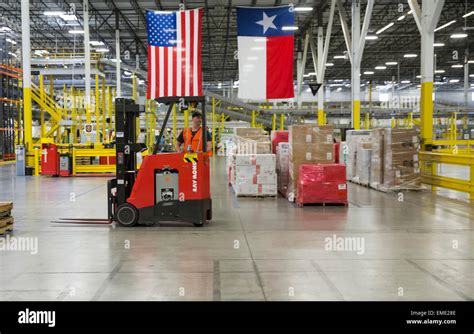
pixel 380 67
pixel 401 18
pixel 289 28
pixel 405 81
pixel 468 14
pixel 303 9
pixel 385 28
pixel 458 35
pixel 328 64
pixel 410 55
pixel 391 63
pixel 368 72
pixel 457 66
pixel 53 13
pixel 438 44
pixel 76 31
pixel 445 25
pixel 371 37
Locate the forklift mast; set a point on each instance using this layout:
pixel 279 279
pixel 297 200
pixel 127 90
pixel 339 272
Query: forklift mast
pixel 126 116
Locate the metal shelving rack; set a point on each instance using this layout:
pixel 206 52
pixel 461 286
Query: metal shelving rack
pixel 10 95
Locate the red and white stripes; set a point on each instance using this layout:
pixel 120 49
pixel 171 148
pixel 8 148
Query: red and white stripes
pixel 176 71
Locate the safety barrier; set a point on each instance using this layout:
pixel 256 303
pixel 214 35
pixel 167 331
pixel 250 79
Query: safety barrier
pixel 77 169
pixel 429 162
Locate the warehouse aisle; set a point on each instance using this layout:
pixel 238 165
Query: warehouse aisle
pixel 419 247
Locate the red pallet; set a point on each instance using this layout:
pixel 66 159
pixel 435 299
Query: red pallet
pixel 322 183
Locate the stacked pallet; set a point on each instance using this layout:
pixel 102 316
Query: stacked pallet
pixel 254 175
pixel 385 159
pixel 6 219
pixel 246 141
pixel 359 150
pixel 322 184
pixel 282 167
pixel 394 164
pixel 309 144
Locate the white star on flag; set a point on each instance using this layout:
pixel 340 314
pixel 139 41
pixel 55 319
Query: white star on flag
pixel 267 22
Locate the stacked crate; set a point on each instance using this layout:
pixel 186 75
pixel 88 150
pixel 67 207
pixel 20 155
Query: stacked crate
pixel 394 163
pixel 309 144
pixel 358 147
pixel 6 219
pixel 322 183
pixel 282 167
pixel 254 175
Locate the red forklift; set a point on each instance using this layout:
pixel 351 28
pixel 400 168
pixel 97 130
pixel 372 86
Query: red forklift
pixel 169 186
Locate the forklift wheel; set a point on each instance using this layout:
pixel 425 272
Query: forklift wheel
pixel 127 215
pixel 209 214
pixel 201 224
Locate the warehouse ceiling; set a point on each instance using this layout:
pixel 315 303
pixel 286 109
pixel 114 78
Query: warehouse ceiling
pixel 220 41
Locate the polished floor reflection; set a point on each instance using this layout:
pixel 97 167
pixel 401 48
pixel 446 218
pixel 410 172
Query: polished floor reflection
pixel 419 248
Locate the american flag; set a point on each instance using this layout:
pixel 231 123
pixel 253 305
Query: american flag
pixel 174 53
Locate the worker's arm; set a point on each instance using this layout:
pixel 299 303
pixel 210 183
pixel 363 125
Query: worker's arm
pixel 179 142
pixel 209 141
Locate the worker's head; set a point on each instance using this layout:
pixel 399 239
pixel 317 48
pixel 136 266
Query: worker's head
pixel 196 119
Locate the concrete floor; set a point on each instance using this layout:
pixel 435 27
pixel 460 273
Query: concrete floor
pixel 421 248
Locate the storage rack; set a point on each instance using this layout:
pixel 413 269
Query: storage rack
pixel 10 95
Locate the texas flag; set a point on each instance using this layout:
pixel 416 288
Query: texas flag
pixel 265 42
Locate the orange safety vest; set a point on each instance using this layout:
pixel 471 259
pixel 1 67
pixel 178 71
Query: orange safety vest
pixel 193 144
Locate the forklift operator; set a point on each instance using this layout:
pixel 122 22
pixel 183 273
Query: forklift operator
pixel 191 138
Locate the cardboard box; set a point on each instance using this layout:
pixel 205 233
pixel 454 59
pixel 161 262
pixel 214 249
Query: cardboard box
pixel 395 162
pixel 311 153
pixel 310 134
pixel 255 159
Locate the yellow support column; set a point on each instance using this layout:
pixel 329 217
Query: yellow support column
pixel 103 111
pixel 221 129
pixel 114 95
pixel 366 121
pixel 253 118
pixel 174 126
pixel 64 113
pixel 73 116
pixel 213 126
pixel 274 122
pixel 37 165
pixel 97 113
pixel 426 116
pixel 282 122
pixel 42 123
pixel 186 118
pixel 321 117
pixel 356 114
pixel 109 109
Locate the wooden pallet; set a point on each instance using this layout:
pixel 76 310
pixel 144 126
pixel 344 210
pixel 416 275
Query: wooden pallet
pixel 300 205
pixel 256 196
pixel 6 206
pixel 385 189
pixel 6 224
pixel 360 183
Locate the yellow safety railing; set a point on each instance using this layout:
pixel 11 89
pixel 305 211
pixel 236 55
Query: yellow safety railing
pixel 429 162
pixel 78 152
